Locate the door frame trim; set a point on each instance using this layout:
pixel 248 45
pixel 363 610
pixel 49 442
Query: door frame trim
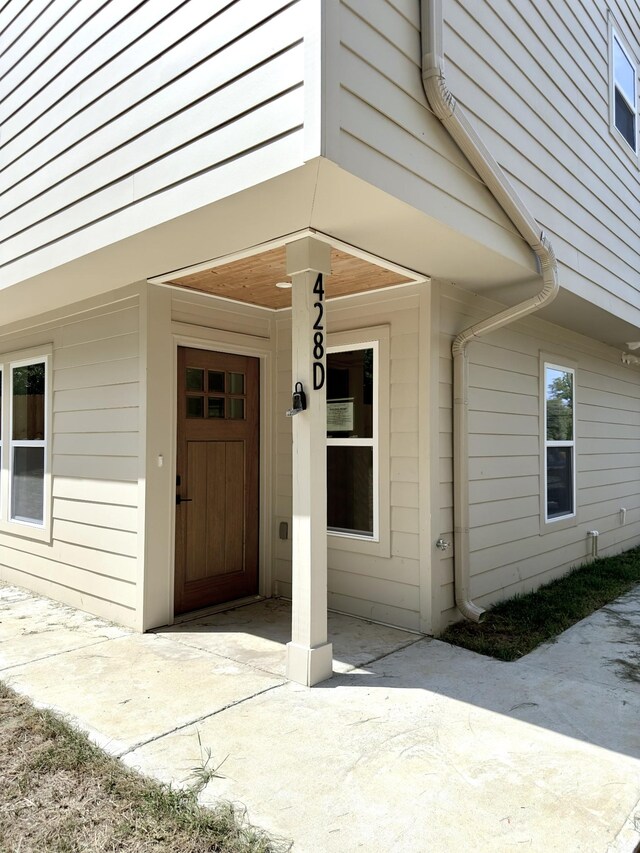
pixel 235 343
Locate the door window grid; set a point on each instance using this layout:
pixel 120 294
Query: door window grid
pixel 223 397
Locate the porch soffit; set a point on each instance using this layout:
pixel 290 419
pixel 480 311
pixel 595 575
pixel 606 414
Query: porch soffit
pixel 253 279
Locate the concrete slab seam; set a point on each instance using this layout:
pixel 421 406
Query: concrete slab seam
pixel 385 655
pixel 58 654
pixel 227 658
pixel 627 839
pixel 193 722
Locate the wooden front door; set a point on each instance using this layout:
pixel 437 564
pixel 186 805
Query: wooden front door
pixel 217 478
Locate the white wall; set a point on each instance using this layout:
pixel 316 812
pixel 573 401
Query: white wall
pixel 509 553
pixel 91 562
pixel 115 116
pixel 535 79
pixel 380 127
pixel 379 583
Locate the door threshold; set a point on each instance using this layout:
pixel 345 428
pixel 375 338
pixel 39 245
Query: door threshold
pixel 192 615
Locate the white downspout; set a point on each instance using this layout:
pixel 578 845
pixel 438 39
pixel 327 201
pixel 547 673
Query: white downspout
pixel 463 133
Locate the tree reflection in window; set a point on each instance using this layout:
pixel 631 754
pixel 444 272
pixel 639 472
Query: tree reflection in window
pixel 559 442
pixel 559 405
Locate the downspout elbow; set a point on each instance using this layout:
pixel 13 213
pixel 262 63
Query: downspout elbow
pixel 444 106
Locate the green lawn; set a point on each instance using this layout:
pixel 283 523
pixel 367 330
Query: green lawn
pixel 515 627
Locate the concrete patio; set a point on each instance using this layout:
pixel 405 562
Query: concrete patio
pixel 413 745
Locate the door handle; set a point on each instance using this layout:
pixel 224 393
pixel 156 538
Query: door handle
pixel 180 500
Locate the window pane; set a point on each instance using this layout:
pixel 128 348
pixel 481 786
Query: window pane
pixel 28 484
pixel 28 402
pixel 559 481
pixel 624 73
pixel 195 379
pixel 236 383
pixel 350 489
pixel 235 408
pixel 216 381
pixel 559 392
pixel 350 394
pixel 195 407
pixel 0 405
pixel 625 119
pixel 216 407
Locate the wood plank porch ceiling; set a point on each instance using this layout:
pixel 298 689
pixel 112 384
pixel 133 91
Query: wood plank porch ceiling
pixel 253 279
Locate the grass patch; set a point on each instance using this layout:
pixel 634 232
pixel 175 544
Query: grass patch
pixel 61 794
pixel 515 627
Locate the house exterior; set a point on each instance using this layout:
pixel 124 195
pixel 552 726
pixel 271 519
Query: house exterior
pixel 421 215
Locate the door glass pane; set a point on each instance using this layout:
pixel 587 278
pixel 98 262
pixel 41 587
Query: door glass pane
pixel 350 394
pixel 195 407
pixel 559 392
pixel 236 383
pixel 28 402
pixel 235 409
pixel 559 481
pixel 350 490
pixel 216 381
pixel 216 407
pixel 195 379
pixel 28 484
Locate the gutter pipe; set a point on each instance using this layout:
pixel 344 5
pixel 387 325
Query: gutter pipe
pixel 453 117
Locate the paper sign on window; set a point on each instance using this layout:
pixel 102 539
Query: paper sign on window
pixel 340 415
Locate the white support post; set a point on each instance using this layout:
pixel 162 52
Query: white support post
pixel 309 655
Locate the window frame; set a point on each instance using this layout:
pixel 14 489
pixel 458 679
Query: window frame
pixel 377 338
pixel 615 36
pixel 9 361
pixel 569 519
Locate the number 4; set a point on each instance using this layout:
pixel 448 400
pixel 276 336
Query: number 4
pixel 318 287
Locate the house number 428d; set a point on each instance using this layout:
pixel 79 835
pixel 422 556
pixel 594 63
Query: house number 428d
pixel 318 335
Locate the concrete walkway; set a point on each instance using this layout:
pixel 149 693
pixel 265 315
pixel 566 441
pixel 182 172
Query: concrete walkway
pixel 413 746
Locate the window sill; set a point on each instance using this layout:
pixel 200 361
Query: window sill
pixel 26 531
pixel 560 523
pixel 358 545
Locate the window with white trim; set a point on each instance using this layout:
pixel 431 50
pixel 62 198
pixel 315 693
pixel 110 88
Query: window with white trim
pixel 25 447
pixel 352 440
pixel 559 441
pixel 624 93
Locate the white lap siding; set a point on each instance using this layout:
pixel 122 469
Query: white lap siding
pixel 509 553
pixel 534 77
pixel 382 587
pixel 380 127
pixel 91 562
pixel 118 116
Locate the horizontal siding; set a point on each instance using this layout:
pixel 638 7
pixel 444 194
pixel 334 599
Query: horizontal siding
pixel 103 106
pixel 380 587
pixel 509 554
pixel 381 128
pixel 535 80
pixel 196 310
pixel 91 561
